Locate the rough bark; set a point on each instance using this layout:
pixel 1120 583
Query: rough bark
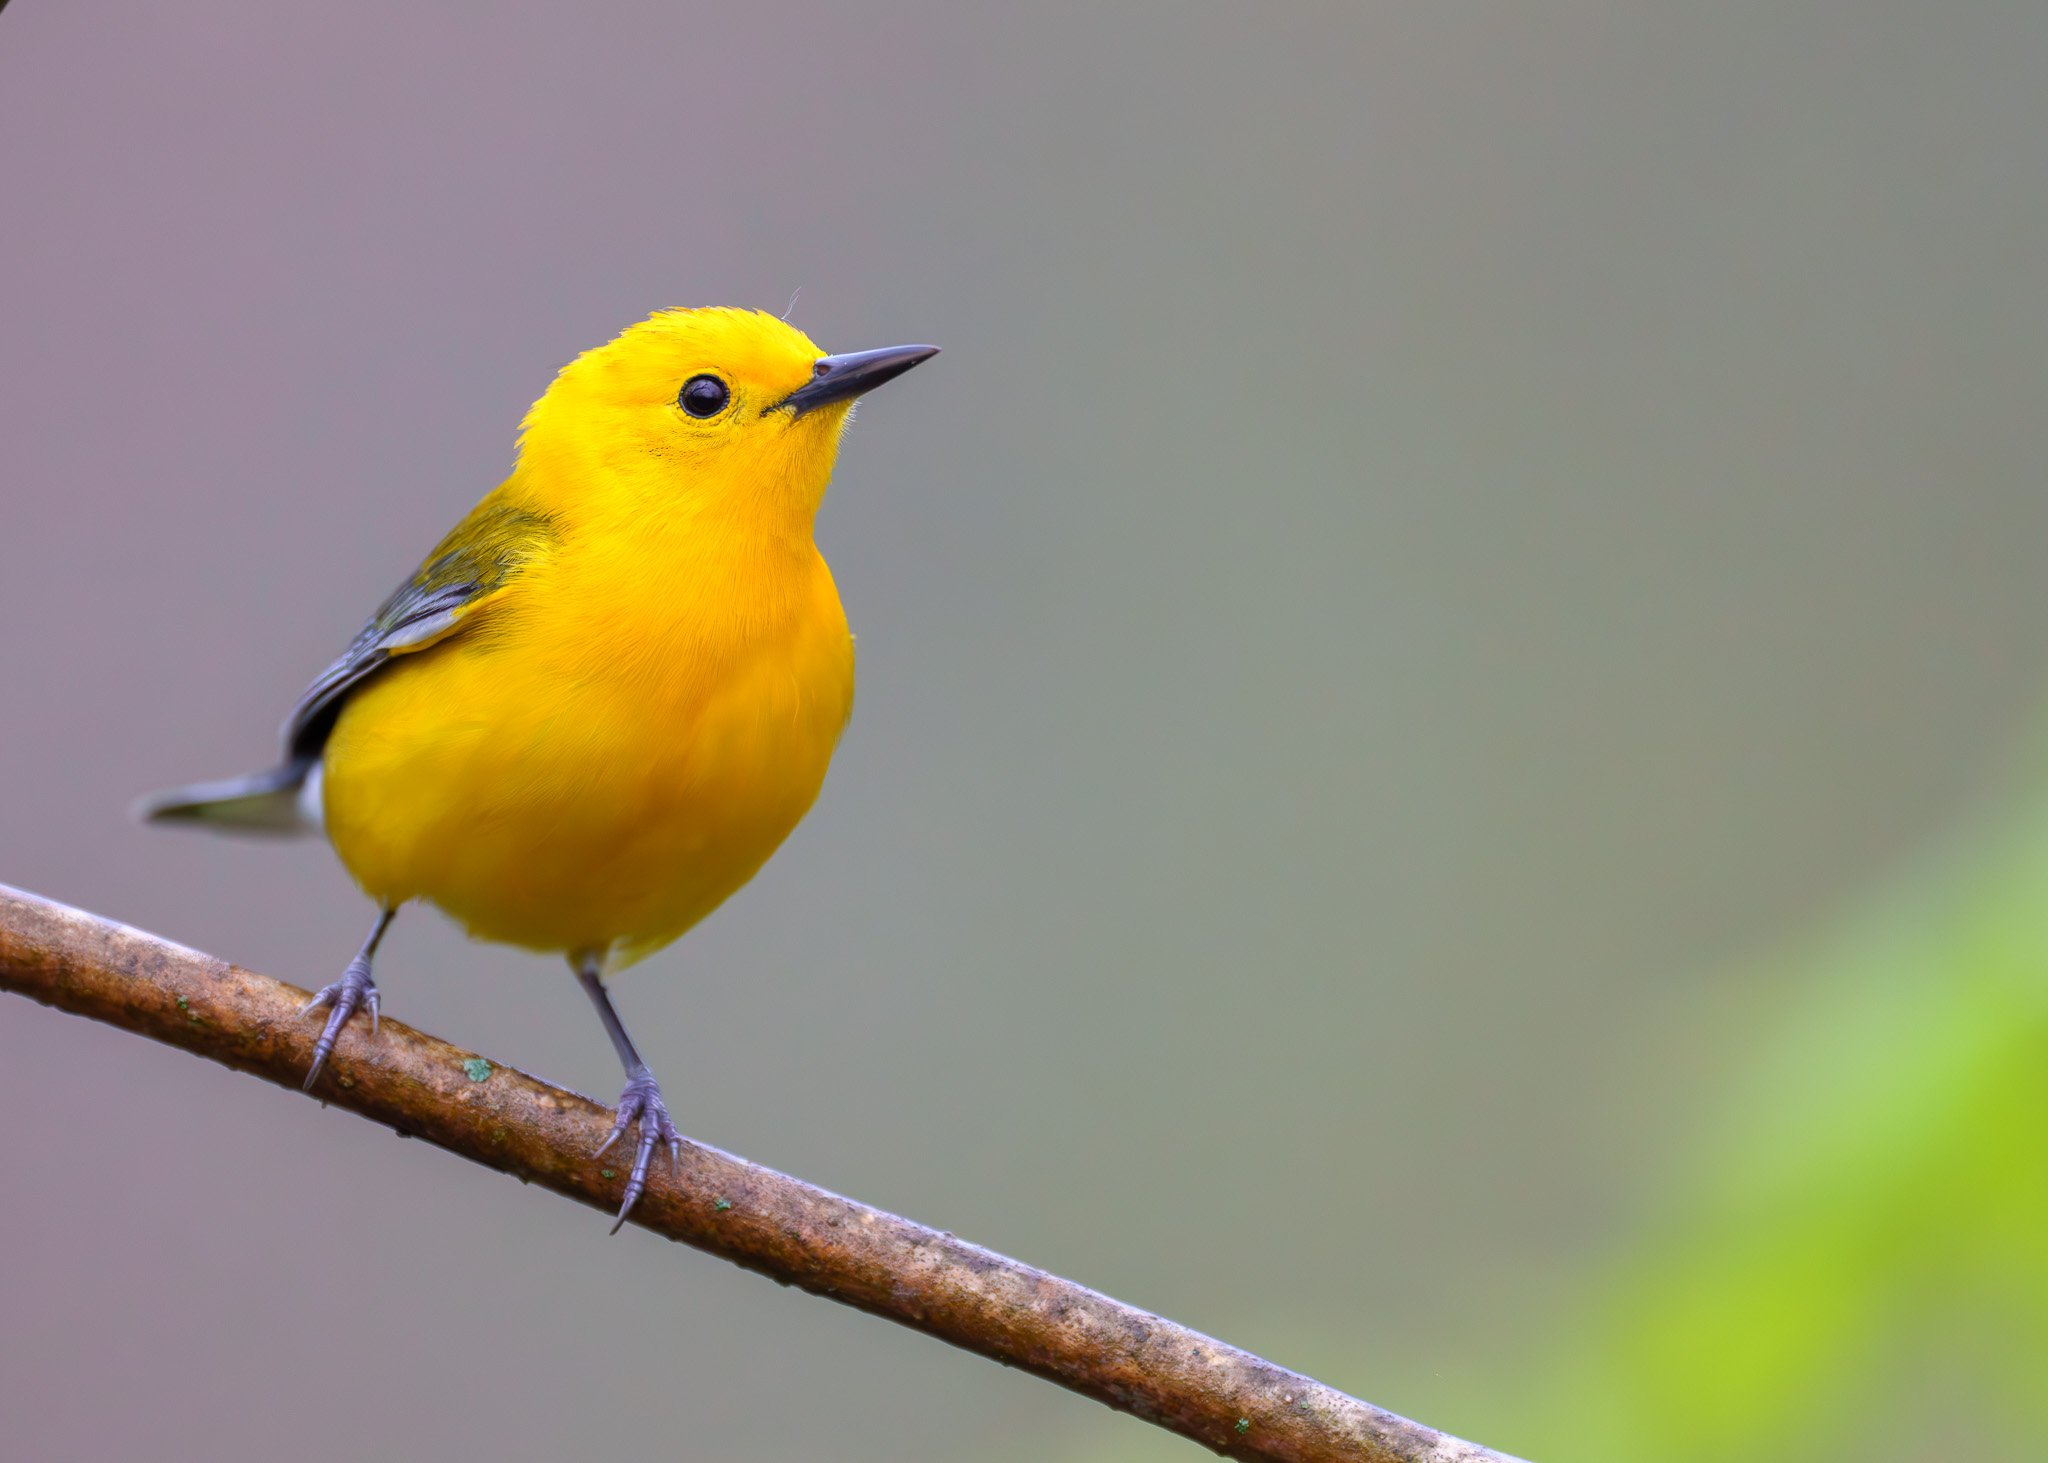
pixel 1229 1400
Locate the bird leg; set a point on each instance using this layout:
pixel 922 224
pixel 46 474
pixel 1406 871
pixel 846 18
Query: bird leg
pixel 354 989
pixel 640 1104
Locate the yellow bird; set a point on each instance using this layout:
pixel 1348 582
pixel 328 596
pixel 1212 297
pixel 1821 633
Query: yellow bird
pixel 611 691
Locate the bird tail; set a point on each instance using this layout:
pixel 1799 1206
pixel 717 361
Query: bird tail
pixel 285 800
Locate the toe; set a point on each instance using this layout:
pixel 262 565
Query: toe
pixel 353 992
pixel 329 1035
pixel 641 1106
pixel 636 1182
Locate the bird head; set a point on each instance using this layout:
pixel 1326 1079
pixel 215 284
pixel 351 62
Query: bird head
pixel 705 411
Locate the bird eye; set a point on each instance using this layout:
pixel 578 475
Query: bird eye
pixel 704 396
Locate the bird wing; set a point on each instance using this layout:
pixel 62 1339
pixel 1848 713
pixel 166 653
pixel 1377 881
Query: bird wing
pixel 476 563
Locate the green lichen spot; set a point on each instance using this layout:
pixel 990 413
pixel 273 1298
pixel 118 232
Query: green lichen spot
pixel 183 1004
pixel 722 1205
pixel 1244 1424
pixel 610 1173
pixel 478 1069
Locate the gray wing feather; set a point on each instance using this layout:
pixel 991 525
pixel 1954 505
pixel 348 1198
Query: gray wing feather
pixel 306 729
pixel 485 550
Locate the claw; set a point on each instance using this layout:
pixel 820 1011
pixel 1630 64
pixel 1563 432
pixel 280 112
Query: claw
pixel 641 1105
pixel 355 990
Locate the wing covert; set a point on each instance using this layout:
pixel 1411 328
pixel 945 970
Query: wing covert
pixel 480 557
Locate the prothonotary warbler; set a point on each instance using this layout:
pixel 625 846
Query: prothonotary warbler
pixel 611 691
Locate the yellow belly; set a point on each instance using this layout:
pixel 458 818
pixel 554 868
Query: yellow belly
pixel 543 802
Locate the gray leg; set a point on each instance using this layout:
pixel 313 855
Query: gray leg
pixel 641 1102
pixel 354 989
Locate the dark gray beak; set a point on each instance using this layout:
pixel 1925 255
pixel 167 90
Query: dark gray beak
pixel 841 378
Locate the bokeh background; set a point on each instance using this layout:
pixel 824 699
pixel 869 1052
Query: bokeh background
pixel 1445 781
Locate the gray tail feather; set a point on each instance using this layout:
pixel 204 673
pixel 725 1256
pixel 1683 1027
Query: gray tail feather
pixel 284 800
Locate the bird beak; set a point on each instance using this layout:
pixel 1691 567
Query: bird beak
pixel 842 378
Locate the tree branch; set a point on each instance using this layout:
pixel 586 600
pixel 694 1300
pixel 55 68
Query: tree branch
pixel 1226 1399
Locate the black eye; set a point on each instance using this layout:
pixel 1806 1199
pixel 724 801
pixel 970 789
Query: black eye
pixel 704 396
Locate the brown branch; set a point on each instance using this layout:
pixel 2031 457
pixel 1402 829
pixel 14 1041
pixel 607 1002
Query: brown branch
pixel 1226 1399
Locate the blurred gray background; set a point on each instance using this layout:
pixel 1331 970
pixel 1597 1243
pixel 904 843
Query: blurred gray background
pixel 1438 531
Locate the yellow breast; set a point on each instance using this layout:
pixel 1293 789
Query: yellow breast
pixel 608 755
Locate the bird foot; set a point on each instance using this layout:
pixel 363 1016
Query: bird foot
pixel 641 1104
pixel 355 990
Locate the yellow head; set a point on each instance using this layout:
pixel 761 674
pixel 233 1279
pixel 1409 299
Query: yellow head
pixel 708 412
